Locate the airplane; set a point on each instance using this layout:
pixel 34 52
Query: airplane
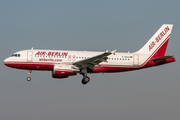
pixel 64 63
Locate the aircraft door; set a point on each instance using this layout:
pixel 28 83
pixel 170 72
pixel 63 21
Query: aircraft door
pixel 29 56
pixel 74 58
pixel 136 60
pixel 69 58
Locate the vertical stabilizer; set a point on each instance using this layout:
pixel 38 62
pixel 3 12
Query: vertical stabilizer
pixel 156 46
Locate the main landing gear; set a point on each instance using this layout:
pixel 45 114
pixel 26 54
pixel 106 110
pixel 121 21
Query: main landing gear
pixel 85 79
pixel 29 73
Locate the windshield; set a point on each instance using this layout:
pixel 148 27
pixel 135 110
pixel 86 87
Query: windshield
pixel 15 55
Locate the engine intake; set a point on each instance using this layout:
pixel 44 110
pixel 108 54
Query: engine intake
pixel 64 70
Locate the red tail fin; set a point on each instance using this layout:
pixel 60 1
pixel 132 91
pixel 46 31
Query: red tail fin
pixel 162 50
pixel 157 44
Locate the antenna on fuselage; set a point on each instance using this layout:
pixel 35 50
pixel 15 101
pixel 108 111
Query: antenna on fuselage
pixel 32 48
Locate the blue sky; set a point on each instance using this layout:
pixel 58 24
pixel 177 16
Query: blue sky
pixel 99 25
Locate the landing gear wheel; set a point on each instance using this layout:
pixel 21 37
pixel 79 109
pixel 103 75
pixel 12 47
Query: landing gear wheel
pixel 28 78
pixel 85 80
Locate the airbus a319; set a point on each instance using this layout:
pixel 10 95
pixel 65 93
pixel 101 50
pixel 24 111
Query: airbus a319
pixel 64 63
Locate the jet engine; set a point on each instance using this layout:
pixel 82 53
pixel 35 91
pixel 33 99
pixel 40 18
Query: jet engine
pixel 64 70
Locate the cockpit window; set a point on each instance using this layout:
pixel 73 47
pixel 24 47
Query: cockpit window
pixel 15 55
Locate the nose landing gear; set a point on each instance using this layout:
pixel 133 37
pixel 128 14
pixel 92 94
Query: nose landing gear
pixel 29 73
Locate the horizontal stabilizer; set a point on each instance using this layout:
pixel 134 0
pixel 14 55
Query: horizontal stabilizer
pixel 161 58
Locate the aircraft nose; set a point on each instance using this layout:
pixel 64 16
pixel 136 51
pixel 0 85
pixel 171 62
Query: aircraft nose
pixel 9 62
pixel 6 61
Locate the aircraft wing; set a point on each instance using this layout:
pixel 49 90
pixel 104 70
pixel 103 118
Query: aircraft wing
pixel 92 61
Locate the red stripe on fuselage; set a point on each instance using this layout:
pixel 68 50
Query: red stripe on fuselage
pixel 31 65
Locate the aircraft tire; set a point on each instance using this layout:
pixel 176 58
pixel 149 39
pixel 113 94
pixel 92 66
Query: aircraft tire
pixel 28 78
pixel 85 80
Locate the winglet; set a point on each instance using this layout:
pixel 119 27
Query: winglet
pixel 113 51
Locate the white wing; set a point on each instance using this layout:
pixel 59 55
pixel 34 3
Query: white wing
pixel 92 61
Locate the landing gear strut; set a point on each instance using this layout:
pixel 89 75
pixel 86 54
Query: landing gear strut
pixel 85 79
pixel 29 73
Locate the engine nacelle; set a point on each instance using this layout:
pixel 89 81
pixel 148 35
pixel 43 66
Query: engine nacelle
pixel 64 70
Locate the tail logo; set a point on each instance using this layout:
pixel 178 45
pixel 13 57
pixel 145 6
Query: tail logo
pixel 158 38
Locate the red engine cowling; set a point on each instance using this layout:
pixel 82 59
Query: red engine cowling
pixel 64 71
